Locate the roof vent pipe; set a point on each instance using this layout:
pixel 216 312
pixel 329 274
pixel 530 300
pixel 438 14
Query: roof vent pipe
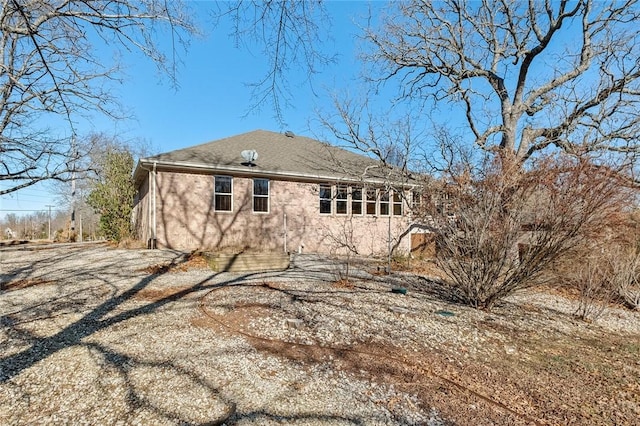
pixel 289 134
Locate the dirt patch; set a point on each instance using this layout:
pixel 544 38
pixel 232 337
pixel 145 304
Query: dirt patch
pixel 430 376
pixel 193 261
pixel 155 294
pixel 418 266
pixel 344 283
pixel 521 371
pixel 20 284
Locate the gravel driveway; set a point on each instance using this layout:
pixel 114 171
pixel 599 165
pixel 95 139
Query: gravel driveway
pixel 95 335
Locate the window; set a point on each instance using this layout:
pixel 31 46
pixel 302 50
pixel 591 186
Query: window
pixel 447 204
pixel 397 203
pixel 416 201
pixel 384 203
pixel 371 201
pixel 356 200
pixel 325 198
pixel 341 199
pixel 261 195
pixel 223 186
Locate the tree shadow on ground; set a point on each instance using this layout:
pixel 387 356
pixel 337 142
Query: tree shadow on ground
pixel 107 314
pixel 117 303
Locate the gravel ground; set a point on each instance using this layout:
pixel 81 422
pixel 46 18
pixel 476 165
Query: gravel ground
pixel 89 337
pixel 94 335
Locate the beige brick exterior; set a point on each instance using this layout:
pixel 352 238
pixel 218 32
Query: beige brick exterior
pixel 186 219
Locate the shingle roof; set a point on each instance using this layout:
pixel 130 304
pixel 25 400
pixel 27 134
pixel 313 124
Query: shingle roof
pixel 278 154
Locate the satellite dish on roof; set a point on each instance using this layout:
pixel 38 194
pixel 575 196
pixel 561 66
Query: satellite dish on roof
pixel 249 156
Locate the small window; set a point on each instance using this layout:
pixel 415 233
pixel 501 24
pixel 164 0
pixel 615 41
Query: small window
pixel 325 198
pixel 341 199
pixel 397 203
pixel 371 201
pixel 416 201
pixel 372 198
pixel 223 190
pixel 356 201
pixel 261 195
pixel 384 203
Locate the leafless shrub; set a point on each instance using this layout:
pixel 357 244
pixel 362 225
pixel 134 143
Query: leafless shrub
pixel 343 243
pixel 501 229
pixel 605 267
pixel 591 277
pixel 625 276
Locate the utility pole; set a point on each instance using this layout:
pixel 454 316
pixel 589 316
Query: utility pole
pixel 73 200
pixel 49 206
pixel 73 187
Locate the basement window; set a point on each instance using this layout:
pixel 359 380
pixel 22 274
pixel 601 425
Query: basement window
pixel 223 193
pixel 261 195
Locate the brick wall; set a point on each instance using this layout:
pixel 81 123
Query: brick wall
pixel 186 219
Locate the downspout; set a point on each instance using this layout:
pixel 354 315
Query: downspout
pixel 285 232
pixel 154 222
pixel 390 244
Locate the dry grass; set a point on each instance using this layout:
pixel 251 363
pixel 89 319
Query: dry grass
pixel 130 243
pixel 343 283
pixel 20 284
pixel 426 267
pixel 194 260
pixel 527 371
pixel 154 295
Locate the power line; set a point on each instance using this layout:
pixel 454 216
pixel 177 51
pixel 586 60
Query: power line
pixel 30 210
pixel 30 190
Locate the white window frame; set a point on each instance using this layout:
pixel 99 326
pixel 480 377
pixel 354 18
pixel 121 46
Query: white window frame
pixel 355 200
pixel 398 202
pixel 254 196
pixel 215 193
pixel 416 200
pixel 344 200
pixel 381 193
pixel 367 201
pixel 321 199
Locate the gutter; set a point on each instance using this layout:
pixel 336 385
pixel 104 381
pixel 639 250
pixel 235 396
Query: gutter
pixel 265 173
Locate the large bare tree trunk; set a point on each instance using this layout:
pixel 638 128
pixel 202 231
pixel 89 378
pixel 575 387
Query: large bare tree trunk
pixel 527 76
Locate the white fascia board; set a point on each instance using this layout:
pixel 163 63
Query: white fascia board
pixel 246 171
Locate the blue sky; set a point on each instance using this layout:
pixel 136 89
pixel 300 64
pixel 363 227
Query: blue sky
pixel 213 96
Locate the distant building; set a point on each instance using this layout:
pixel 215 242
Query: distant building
pixel 10 234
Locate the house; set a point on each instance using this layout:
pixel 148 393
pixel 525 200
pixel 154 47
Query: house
pixel 271 191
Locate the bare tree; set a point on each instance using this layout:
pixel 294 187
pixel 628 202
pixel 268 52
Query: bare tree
pixel 51 72
pixel 527 75
pixel 385 137
pixel 289 33
pixel 90 171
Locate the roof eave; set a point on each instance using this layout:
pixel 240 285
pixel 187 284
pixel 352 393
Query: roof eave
pixel 179 165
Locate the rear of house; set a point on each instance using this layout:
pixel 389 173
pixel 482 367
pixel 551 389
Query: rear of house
pixel 298 195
